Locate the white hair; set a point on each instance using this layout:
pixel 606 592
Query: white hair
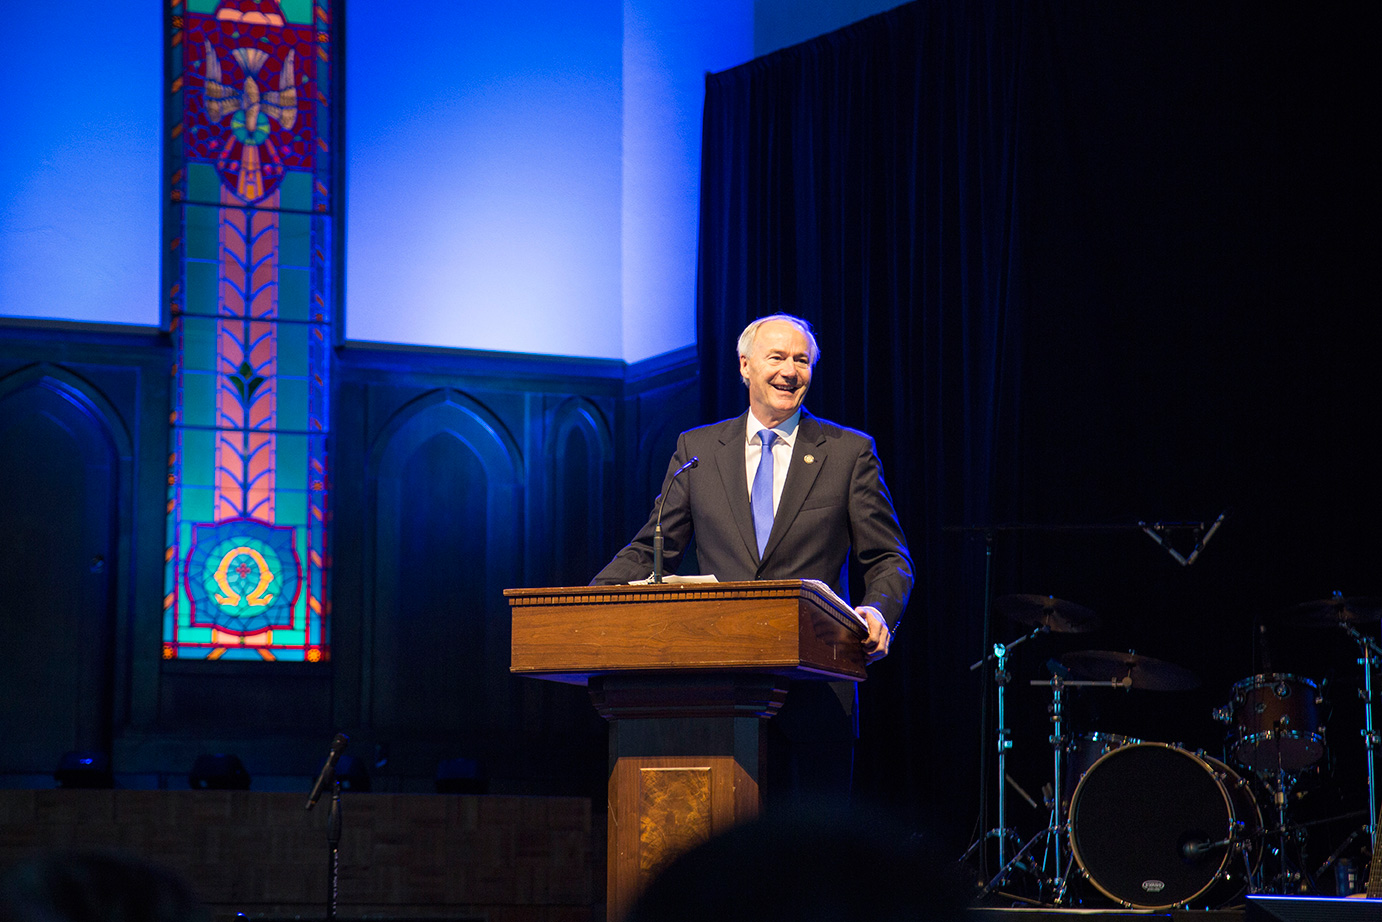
pixel 746 338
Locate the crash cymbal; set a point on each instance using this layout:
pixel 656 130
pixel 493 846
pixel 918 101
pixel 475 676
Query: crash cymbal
pixel 1130 670
pixel 1048 611
pixel 1334 610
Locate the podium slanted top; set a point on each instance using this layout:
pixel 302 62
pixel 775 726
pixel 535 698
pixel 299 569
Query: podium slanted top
pixel 795 628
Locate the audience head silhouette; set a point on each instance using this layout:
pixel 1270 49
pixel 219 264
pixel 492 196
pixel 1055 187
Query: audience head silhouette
pixel 821 864
pixel 94 887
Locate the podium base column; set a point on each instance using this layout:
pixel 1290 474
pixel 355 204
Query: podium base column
pixel 687 758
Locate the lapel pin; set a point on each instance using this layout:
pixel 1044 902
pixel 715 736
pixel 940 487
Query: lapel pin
pixel 809 459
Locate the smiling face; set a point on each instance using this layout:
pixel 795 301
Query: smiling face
pixel 777 370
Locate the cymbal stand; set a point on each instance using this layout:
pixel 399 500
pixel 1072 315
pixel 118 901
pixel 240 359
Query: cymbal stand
pixel 1367 659
pixel 1055 846
pixel 1004 740
pixel 1055 827
pixel 1052 833
pixel 1058 856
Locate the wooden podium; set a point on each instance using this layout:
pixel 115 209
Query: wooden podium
pixel 686 674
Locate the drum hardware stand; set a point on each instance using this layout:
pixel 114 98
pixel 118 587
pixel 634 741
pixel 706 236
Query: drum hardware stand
pixel 1288 877
pixel 1058 856
pixel 1058 827
pixel 1244 849
pixel 1055 827
pixel 1279 783
pixel 1004 740
pixel 1367 659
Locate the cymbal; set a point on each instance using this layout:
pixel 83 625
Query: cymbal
pixel 1334 610
pixel 1129 669
pixel 1048 611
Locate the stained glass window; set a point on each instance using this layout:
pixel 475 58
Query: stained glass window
pixel 249 297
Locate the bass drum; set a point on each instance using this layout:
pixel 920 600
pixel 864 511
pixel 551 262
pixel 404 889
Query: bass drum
pixel 1154 826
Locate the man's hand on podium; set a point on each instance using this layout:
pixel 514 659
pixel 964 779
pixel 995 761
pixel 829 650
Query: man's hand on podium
pixel 876 644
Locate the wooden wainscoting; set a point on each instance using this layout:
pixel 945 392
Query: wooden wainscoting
pixel 499 858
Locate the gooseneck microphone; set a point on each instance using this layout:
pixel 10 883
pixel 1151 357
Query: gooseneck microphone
pixel 657 526
pixel 328 773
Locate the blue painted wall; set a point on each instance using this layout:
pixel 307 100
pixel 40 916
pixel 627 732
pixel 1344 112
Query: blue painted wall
pixel 79 162
pixel 525 178
pixel 519 177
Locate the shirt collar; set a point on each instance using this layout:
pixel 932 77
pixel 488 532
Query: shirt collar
pixel 787 432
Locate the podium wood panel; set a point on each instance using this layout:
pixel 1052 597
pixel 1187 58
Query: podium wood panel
pixel 667 806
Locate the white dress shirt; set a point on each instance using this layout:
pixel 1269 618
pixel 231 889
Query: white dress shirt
pixel 782 452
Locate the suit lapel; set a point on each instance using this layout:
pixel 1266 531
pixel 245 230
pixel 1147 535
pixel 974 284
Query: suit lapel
pixel 729 458
pixel 801 475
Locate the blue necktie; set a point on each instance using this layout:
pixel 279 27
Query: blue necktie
pixel 762 494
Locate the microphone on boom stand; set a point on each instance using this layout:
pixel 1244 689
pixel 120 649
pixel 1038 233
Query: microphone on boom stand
pixel 328 773
pixel 327 779
pixel 657 527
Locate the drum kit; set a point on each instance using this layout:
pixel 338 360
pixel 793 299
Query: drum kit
pixel 1155 826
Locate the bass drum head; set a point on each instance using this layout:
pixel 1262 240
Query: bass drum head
pixel 1142 816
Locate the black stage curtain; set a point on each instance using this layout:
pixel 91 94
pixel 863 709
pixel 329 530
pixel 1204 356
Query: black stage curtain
pixel 1152 222
pixel 866 182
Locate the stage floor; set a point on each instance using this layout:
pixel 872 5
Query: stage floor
pixel 1262 908
pixel 1045 914
pixel 1048 914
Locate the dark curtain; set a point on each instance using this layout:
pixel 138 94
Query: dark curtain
pixel 1156 223
pixel 1199 257
pixel 865 181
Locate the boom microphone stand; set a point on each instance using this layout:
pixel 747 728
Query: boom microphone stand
pixel 333 819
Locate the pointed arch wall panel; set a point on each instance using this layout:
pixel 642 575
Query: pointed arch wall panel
pixel 509 426
pixel 59 492
pixel 67 472
pixel 580 484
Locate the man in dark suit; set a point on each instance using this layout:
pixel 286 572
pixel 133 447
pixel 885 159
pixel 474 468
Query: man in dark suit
pixel 780 494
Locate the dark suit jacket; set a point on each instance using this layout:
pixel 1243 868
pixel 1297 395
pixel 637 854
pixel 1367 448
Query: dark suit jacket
pixel 831 505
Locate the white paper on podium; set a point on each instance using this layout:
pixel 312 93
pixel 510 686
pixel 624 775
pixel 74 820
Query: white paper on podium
pixel 835 600
pixel 674 578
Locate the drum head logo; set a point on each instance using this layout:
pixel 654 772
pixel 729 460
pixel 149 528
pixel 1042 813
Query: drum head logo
pixel 1153 885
